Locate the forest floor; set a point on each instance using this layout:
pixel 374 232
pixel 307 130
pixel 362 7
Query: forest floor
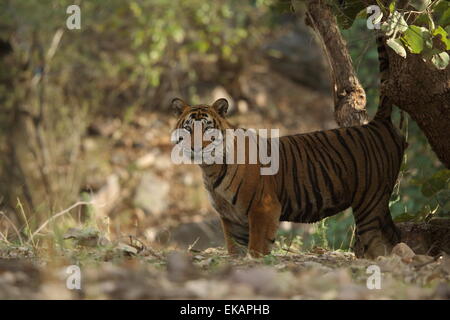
pixel 126 159
pixel 133 271
pixel 126 268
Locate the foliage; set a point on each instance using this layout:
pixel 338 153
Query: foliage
pixel 133 54
pixel 421 28
pixel 127 55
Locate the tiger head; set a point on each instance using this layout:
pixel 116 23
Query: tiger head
pixel 203 124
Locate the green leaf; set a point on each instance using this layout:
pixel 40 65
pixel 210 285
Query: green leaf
pixel 444 36
pixel 394 24
pixel 443 7
pixel 445 18
pixel 420 5
pixel 392 6
pixel 414 38
pixel 429 53
pixel 441 60
pixel 436 183
pixel 397 46
pixel 422 19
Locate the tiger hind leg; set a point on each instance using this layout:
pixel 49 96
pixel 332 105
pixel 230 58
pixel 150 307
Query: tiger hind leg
pixel 375 233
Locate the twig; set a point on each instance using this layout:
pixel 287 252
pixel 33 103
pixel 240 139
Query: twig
pixel 13 225
pixel 79 203
pixel 193 244
pixel 428 262
pixel 19 204
pixel 4 238
pixel 144 247
pixel 288 249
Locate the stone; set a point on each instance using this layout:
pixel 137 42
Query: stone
pixel 404 252
pixel 152 194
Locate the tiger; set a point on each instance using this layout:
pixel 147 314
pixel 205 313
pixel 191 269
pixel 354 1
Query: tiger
pixel 320 174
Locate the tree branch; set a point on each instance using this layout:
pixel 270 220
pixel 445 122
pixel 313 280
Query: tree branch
pixel 349 96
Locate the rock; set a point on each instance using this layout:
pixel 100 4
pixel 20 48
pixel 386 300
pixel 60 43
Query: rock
pixel 152 194
pixel 154 159
pixel 242 106
pixel 105 199
pixel 392 263
pixel 404 252
pixel 146 160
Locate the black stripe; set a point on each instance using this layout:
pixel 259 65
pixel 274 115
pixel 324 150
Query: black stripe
pixel 285 200
pixel 303 197
pixel 367 163
pixel 319 161
pixel 232 178
pixel 387 152
pixel 321 152
pixel 352 157
pixel 334 163
pixel 312 175
pixel 223 173
pixel 361 232
pixel 250 203
pixel 236 194
pixel 377 152
pixel 323 133
pixel 296 181
pixel 374 201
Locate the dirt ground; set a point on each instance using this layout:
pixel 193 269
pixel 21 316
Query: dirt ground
pixel 126 271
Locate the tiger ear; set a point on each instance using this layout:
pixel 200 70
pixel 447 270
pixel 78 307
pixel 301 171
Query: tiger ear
pixel 178 106
pixel 221 106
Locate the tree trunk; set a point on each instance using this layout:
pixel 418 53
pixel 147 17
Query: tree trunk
pixel 414 86
pixel 424 93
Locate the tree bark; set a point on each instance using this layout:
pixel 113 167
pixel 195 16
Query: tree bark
pixel 424 93
pixel 414 86
pixel 349 95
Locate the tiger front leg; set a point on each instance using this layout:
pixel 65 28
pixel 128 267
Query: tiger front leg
pixel 236 237
pixel 264 220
